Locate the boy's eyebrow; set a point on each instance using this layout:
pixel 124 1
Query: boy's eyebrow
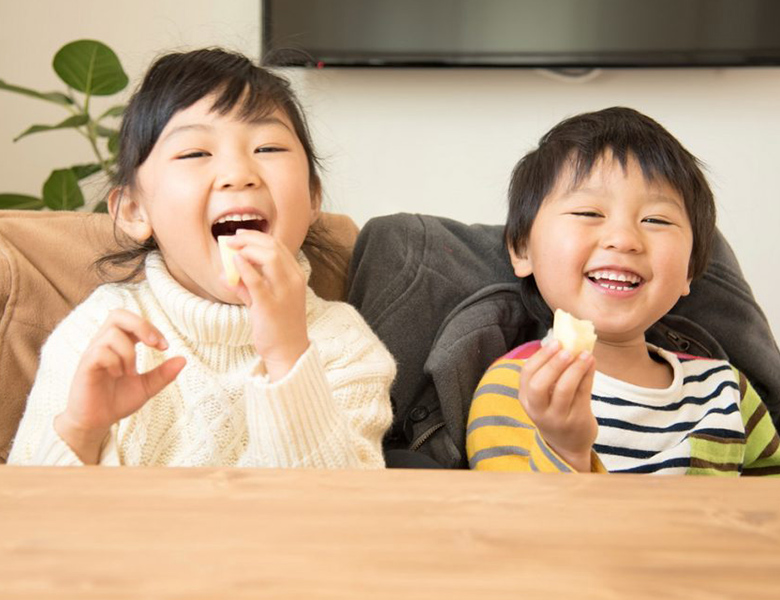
pixel 267 120
pixel 657 197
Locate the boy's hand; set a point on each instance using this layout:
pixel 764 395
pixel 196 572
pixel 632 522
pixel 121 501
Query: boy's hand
pixel 107 387
pixel 273 286
pixel 555 391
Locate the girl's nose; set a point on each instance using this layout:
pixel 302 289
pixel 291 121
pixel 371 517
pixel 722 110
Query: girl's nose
pixel 238 174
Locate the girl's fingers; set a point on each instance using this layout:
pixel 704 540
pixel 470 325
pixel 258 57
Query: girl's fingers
pixel 138 328
pixel 155 380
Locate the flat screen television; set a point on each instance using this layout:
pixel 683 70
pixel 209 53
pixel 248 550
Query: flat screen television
pixel 521 33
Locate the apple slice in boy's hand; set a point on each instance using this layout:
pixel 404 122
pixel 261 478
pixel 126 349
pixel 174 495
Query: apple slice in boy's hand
pixel 574 335
pixel 227 253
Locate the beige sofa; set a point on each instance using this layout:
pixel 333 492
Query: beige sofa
pixel 46 268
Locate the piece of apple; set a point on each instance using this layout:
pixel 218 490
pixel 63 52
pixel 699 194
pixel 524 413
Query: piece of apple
pixel 574 335
pixel 227 253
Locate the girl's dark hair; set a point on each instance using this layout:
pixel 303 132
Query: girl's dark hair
pixel 175 82
pixel 578 143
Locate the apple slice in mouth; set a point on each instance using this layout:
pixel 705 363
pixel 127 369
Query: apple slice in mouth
pixel 226 253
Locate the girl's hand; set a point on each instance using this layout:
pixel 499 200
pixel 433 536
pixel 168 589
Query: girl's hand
pixel 273 286
pixel 555 391
pixel 107 387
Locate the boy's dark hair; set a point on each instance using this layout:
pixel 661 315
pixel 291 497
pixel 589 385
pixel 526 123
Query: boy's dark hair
pixel 579 142
pixel 175 82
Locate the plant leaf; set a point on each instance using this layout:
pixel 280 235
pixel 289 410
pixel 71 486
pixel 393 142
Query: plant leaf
pixel 113 144
pixel 61 191
pixel 106 132
pixel 91 67
pixel 69 123
pixel 20 202
pixel 114 111
pixel 56 97
pixel 84 171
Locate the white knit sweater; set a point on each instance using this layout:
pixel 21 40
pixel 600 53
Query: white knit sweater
pixel 331 410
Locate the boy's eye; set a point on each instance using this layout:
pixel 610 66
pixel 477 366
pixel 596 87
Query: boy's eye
pixel 264 149
pixel 586 213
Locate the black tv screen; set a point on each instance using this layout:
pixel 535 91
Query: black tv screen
pixel 524 33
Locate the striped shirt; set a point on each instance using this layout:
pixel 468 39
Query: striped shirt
pixel 710 421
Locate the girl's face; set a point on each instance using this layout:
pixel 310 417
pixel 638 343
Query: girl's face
pixel 614 250
pixel 207 170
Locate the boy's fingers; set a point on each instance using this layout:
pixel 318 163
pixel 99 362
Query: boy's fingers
pixel 571 381
pixel 545 380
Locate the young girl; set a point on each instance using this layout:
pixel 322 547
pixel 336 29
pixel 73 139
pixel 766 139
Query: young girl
pixel 183 367
pixel 610 219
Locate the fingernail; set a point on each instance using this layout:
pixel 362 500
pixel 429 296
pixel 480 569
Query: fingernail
pixel 565 355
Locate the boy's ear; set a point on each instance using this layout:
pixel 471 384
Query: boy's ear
pixel 129 215
pixel 687 289
pixel 521 262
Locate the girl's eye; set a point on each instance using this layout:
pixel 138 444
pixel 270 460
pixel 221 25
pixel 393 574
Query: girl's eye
pixel 656 221
pixel 195 154
pixel 586 213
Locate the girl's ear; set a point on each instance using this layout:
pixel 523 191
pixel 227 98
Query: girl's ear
pixel 521 262
pixel 316 201
pixel 129 215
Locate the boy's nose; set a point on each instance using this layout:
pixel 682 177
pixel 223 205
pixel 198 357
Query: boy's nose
pixel 622 238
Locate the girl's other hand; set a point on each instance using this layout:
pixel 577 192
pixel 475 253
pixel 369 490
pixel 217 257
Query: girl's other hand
pixel 555 391
pixel 273 286
pixel 107 387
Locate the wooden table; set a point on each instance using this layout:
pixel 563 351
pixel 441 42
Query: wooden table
pixel 109 533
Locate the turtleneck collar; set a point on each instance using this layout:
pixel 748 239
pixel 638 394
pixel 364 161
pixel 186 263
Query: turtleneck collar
pixel 198 319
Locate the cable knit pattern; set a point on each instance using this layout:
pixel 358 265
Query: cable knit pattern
pixel 331 410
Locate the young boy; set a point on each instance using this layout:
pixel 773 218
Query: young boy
pixel 610 219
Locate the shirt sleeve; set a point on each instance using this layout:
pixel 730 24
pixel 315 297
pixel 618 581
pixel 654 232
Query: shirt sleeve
pixel 36 441
pixel 332 409
pixel 500 436
pixel 762 444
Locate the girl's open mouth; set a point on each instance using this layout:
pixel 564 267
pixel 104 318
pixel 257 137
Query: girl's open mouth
pixel 230 224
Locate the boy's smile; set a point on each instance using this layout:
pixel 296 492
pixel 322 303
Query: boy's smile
pixel 615 250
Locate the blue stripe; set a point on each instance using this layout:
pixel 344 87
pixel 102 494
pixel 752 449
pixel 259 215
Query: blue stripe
pixel 681 426
pixel 704 376
pixel 669 407
pixel 653 468
pixel 621 451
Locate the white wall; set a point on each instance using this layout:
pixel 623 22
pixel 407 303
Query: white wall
pixel 434 141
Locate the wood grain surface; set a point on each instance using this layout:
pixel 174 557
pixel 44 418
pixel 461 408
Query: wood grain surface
pixel 108 533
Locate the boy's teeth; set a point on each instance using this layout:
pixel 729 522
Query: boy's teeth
pixel 608 275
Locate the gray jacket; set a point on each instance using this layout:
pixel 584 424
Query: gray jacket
pixel 444 299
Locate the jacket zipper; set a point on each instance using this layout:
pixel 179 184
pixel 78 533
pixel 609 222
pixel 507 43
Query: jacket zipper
pixel 425 436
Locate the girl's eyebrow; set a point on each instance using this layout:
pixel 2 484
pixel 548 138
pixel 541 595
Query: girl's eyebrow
pixel 259 121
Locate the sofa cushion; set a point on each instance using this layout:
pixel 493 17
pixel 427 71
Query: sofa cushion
pixel 47 267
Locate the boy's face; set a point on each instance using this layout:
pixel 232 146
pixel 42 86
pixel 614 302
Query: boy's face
pixel 614 250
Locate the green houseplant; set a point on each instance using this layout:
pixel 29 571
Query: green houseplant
pixel 89 68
